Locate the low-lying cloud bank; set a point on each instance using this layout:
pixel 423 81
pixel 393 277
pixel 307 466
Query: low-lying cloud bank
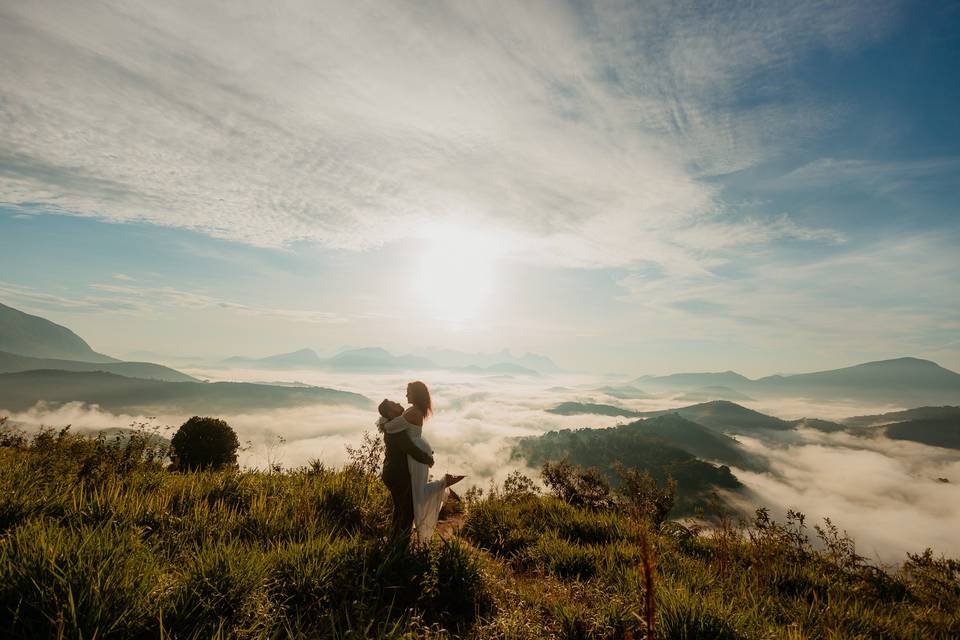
pixel 886 494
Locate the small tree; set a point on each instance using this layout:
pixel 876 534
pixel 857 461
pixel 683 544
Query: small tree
pixel 642 493
pixel 518 486
pixel 368 456
pixel 202 443
pixel 576 485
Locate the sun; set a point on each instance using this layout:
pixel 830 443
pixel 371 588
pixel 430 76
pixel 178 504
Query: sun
pixel 455 274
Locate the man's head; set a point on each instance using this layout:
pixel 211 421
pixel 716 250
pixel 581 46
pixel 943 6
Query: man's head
pixel 390 409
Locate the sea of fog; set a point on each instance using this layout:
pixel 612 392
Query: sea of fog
pixel 885 493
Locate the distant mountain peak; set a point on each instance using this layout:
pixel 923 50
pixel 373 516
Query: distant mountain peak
pixel 29 335
pixel 367 351
pixel 905 360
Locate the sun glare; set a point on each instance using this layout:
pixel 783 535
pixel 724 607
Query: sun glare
pixel 455 278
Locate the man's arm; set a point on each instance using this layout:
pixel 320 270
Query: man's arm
pixel 406 445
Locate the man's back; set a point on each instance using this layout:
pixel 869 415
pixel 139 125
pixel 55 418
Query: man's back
pixel 397 447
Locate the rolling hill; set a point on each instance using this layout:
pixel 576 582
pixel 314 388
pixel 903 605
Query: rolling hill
pixel 20 391
pixel 697 439
pixel 706 394
pixel 376 359
pixel 920 413
pixel 904 381
pixel 12 363
pixel 908 381
pixel 934 426
pixel 730 379
pixel 936 432
pixel 371 360
pixel 625 392
pixel 32 336
pixel 827 426
pixel 587 408
pixel 723 415
pixel 302 358
pixel 453 359
pixel 633 446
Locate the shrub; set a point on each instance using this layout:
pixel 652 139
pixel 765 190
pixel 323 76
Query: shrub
pixel 576 485
pixel 642 494
pixel 204 443
pixel 518 486
pixel 368 456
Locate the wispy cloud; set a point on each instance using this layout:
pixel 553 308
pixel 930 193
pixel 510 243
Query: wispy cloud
pixel 167 298
pixel 582 130
pixel 133 299
pixel 833 172
pixel 892 298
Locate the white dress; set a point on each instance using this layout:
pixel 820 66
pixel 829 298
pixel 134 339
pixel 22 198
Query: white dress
pixel 428 496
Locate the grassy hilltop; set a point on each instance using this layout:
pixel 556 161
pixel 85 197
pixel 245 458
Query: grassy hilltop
pixel 98 539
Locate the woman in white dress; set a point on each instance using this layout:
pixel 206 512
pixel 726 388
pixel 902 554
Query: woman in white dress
pixel 428 496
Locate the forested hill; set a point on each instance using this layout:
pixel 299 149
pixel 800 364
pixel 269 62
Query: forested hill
pixel 648 445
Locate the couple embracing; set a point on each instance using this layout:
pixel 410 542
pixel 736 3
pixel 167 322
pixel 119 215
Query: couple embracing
pixel 406 465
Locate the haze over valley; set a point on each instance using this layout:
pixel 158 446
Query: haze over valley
pixel 874 445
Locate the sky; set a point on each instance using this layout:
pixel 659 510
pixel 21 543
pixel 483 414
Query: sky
pixel 625 187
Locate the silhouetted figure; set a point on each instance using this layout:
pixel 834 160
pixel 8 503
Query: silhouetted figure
pixel 396 471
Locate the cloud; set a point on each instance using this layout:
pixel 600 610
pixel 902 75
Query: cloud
pixel 885 176
pixel 880 300
pixel 886 494
pixel 583 131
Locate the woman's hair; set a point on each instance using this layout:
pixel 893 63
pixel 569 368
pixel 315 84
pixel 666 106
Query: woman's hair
pixel 420 397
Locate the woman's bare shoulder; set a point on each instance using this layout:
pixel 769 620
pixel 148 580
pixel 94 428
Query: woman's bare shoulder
pixel 413 416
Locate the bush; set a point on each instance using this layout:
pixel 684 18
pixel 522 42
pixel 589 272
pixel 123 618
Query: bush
pixel 576 485
pixel 204 443
pixel 642 493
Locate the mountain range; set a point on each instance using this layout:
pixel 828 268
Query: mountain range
pixel 45 362
pixel 12 363
pixel 904 381
pixel 379 360
pixel 934 426
pixel 20 391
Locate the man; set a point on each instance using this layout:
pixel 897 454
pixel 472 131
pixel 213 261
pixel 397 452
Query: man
pixel 396 471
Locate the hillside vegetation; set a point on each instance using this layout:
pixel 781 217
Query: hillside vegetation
pixel 98 539
pixel 660 446
pixel 20 391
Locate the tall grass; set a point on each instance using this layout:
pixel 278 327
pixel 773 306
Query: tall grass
pixel 99 540
pixel 761 579
pixel 94 549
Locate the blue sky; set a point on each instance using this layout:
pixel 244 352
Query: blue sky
pixel 636 187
